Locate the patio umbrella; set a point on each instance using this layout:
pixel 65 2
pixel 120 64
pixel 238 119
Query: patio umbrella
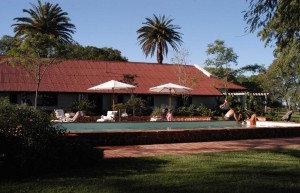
pixel 170 88
pixel 112 85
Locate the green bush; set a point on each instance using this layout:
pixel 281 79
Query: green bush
pixel 30 143
pixel 157 111
pixel 273 114
pixel 203 111
pixel 88 107
pixel 191 110
pixel 134 106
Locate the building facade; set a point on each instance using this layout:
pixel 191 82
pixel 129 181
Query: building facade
pixel 69 81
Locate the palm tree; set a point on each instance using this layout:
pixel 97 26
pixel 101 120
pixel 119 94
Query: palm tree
pixel 156 34
pixel 45 19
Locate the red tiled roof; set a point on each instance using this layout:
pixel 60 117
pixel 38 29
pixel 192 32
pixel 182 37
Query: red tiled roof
pixel 79 75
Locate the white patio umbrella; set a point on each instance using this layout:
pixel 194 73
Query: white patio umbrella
pixel 170 88
pixel 112 85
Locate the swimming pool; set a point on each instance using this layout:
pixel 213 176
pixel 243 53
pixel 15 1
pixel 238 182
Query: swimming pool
pixel 134 126
pixel 137 133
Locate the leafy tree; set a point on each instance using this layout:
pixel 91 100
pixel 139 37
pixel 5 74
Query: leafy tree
pixel 31 56
pixel 6 43
pixel 76 51
pixel 41 33
pixel 45 19
pixel 223 58
pixel 254 68
pixel 129 79
pixel 276 20
pixel 252 82
pixel 282 78
pixel 156 34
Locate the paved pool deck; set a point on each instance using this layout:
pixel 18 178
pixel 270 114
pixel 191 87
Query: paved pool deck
pixel 198 147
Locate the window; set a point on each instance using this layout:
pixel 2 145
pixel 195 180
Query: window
pixel 148 98
pixel 47 99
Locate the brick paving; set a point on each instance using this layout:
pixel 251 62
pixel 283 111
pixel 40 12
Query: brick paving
pixel 199 147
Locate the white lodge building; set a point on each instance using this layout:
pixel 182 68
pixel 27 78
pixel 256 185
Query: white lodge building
pixel 69 81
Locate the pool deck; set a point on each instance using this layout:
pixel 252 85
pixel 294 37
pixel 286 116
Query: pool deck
pixel 198 147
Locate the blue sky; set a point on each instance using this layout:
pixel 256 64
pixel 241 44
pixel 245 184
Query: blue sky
pixel 113 23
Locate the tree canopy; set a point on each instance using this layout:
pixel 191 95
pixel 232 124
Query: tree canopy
pixel 45 18
pixel 222 58
pixel 156 34
pixel 276 20
pixel 76 51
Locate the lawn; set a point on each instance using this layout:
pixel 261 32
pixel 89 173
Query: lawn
pixel 251 171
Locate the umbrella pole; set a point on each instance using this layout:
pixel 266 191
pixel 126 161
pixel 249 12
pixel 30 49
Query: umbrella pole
pixel 113 99
pixel 170 99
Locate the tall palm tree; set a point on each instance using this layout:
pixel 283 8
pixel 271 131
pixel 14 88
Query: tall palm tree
pixel 45 19
pixel 156 34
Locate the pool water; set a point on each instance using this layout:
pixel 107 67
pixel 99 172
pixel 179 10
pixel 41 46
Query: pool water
pixel 127 126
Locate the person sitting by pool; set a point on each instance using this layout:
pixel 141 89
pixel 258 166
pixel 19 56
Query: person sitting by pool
pixel 170 115
pixel 231 115
pixel 243 116
pixel 252 120
pixel 164 114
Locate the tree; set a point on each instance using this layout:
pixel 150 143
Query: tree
pixel 6 43
pixel 41 34
pixel 282 78
pixel 156 34
pixel 129 79
pixel 76 51
pixel 34 56
pixel 222 59
pixel 180 60
pixel 276 20
pixel 45 19
pixel 254 68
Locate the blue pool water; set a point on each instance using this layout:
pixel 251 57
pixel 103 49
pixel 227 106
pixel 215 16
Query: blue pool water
pixel 127 126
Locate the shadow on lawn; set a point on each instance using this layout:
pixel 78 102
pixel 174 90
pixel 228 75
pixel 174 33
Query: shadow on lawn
pixel 253 171
pixel 106 167
pixel 290 152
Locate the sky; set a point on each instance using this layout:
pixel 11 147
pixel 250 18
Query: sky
pixel 113 23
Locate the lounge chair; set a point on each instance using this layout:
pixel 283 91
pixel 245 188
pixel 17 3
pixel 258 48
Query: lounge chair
pixel 75 118
pixel 123 113
pixel 59 114
pixel 156 118
pixel 287 116
pixel 110 117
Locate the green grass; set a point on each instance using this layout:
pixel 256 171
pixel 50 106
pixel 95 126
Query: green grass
pixel 252 171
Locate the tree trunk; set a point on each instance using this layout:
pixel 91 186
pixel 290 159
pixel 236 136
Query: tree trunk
pixel 37 84
pixel 159 54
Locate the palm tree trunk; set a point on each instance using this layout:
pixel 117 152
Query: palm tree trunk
pixel 159 54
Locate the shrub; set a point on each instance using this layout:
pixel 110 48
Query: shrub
pixel 157 111
pixel 191 110
pixel 134 106
pixel 88 107
pixel 30 143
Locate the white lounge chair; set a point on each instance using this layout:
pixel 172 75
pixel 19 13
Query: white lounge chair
pixel 110 117
pixel 59 114
pixel 76 116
